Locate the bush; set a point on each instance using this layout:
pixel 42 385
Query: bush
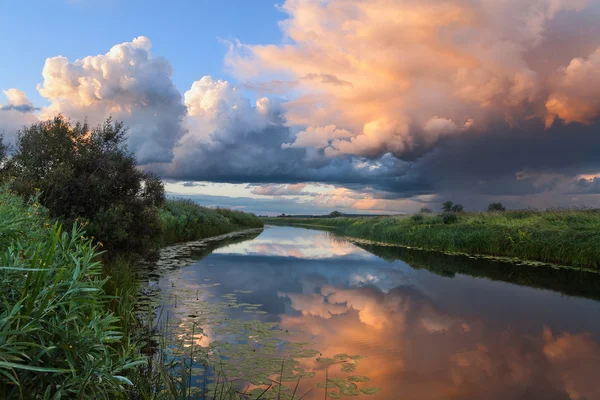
pixel 457 208
pixel 449 218
pixel 57 337
pixel 88 175
pixel 335 214
pixel 496 207
pixel 418 218
pixel 447 206
pixel 425 210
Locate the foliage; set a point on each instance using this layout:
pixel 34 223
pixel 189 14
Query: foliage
pixel 57 337
pixel 457 208
pixel 417 217
pixel 496 207
pixel 335 214
pixel 564 236
pixel 449 218
pixel 447 206
pixel 88 175
pixel 425 210
pixel 183 220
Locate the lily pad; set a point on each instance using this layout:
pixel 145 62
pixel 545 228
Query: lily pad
pixel 370 390
pixel 358 378
pixel 325 360
pixel 347 367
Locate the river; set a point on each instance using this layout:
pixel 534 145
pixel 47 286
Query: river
pixel 381 323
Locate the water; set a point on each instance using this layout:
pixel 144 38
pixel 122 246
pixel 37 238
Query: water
pixel 428 326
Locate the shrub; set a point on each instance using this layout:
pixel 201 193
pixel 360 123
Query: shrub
pixel 57 337
pixel 496 207
pixel 88 174
pixel 449 218
pixel 447 206
pixel 418 218
pixel 425 210
pixel 457 208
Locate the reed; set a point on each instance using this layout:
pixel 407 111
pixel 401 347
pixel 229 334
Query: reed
pixel 560 236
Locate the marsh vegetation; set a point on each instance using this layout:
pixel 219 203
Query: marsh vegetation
pixel 563 236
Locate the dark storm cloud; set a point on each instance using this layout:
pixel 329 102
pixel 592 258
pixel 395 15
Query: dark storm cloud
pixel 501 161
pixel 24 108
pixel 586 186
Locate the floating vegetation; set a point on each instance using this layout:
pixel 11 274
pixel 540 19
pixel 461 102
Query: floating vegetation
pixel 370 390
pixel 347 367
pixel 358 378
pixel 341 356
pixel 325 360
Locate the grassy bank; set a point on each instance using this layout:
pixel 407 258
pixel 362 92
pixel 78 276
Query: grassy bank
pixel 567 237
pixel 68 328
pixel 59 337
pixel 183 220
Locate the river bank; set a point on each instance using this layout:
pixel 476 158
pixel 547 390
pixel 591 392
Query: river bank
pixel 70 326
pixel 563 237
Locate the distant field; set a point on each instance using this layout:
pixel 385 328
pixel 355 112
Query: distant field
pixel 567 237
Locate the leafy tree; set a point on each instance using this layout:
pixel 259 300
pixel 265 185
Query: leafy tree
pixel 335 214
pixel 457 208
pixel 4 150
pixel 425 210
pixel 88 174
pixel 447 206
pixel 496 207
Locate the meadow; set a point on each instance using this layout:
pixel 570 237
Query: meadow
pixel 563 236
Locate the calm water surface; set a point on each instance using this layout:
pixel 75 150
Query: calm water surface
pixel 426 328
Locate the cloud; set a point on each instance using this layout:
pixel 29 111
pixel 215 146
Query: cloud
pixel 15 114
pixel 586 186
pixel 193 184
pixel 17 98
pixel 281 190
pixel 319 137
pixel 396 104
pixel 576 97
pixel 127 83
pixel 412 69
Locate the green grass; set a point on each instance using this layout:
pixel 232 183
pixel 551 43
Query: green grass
pixel 58 335
pixel 184 220
pixel 568 237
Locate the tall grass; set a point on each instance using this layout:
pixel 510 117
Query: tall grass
pixel 184 220
pixel 562 236
pixel 58 337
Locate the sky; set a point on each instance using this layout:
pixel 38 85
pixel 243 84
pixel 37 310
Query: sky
pixel 309 106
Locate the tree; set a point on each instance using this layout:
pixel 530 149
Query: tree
pixel 425 210
pixel 457 208
pixel 496 207
pixel 447 206
pixel 87 174
pixel 335 214
pixel 3 149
